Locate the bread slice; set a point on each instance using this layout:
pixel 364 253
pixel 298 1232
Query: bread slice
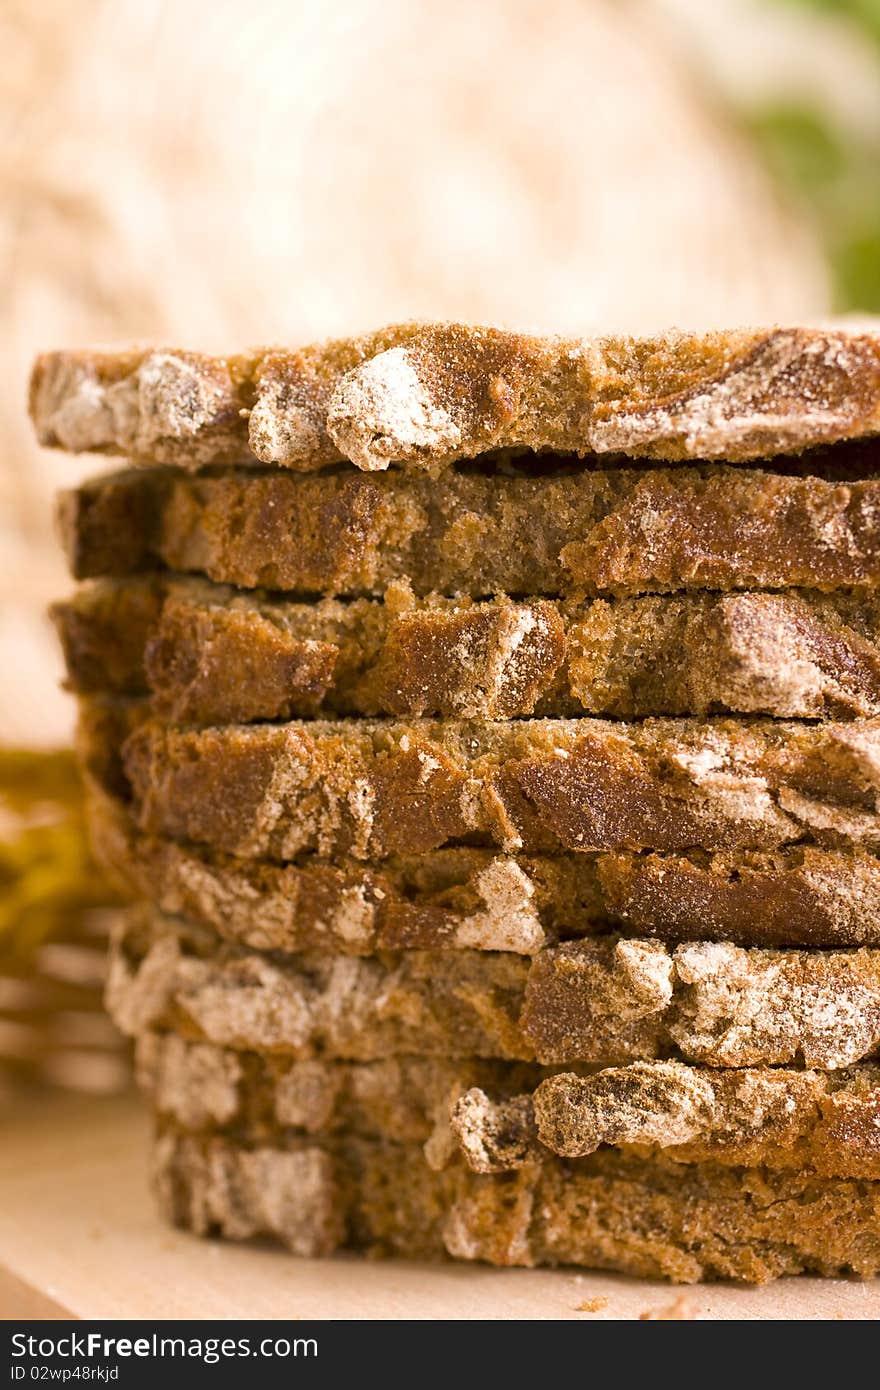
pixel 804 895
pixel 166 974
pixel 643 1217
pixel 202 1088
pixel 370 789
pixel 446 899
pixel 499 1116
pixel 601 1000
pixel 208 654
pixel 800 895
pixel 426 395
pixel 622 531
pixel 822 1123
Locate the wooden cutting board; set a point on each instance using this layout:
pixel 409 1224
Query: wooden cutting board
pixel 79 1238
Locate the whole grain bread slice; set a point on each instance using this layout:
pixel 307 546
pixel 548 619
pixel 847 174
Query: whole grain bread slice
pixel 445 899
pixel 167 975
pixel 202 1088
pixel 649 1218
pixel 600 1000
pixel 370 789
pixel 601 532
pixel 209 654
pixel 499 1116
pixel 800 895
pixel 426 395
pixel 822 1123
pixel 804 895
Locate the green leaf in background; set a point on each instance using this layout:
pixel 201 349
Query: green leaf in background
pixel 835 173
pixel 865 14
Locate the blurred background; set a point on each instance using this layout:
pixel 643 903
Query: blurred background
pixel 219 174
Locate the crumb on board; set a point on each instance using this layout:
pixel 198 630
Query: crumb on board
pixel 592 1305
pixel 678 1311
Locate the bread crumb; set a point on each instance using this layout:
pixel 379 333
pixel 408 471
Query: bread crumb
pixel 678 1311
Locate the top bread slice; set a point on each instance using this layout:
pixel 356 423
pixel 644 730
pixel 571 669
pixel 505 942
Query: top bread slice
pixel 425 395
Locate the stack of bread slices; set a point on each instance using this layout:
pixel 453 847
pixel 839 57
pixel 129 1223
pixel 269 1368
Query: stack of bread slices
pixel 490 729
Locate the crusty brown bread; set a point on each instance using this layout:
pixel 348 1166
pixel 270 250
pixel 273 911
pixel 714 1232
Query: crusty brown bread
pixel 370 789
pixel 804 895
pixel 166 974
pixel 604 532
pixel 104 628
pixel 801 895
pixel 822 1123
pixel 103 726
pixel 497 1116
pixel 712 1002
pixel 448 898
pixel 426 395
pixel 186 408
pixel 649 1218
pixel 602 999
pixel 208 654
pixel 203 1088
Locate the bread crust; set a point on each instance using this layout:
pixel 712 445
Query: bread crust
pixel 652 1219
pixel 802 895
pixel 371 789
pixel 445 899
pixel 822 1123
pixel 499 1116
pixel 601 532
pixel 604 1000
pixel 208 654
pixel 423 396
pixel 201 1088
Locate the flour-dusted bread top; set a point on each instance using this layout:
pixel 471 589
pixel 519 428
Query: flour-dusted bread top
pixel 425 395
